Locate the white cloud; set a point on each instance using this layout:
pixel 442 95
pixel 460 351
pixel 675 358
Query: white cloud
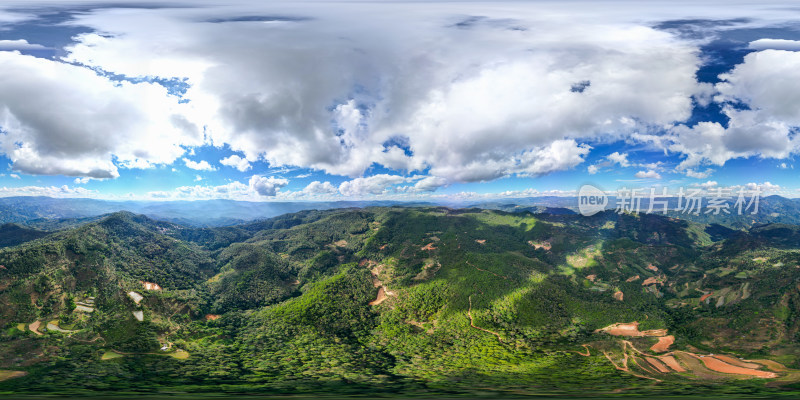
pixel 764 186
pixel 769 83
pixel 15 176
pixel 320 188
pixel 372 185
pixel 429 184
pixel 68 120
pixel 470 104
pixel 395 84
pixel 203 165
pixel 707 184
pixel 783 166
pixel 236 162
pixel 267 186
pixel 234 191
pixel 20 44
pixel 698 174
pixel 49 191
pixel 649 174
pixel 619 158
pixel 82 181
pixel 592 169
pixel 198 178
pixel 775 44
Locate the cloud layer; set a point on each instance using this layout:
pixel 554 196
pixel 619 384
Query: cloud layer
pixel 432 94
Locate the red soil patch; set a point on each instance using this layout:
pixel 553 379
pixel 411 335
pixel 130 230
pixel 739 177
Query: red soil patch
pixel 34 327
pixel 658 280
pixel 652 267
pixel 212 317
pixel 542 245
pixel 737 362
pixel 618 295
pixel 472 323
pixel 480 241
pixel 591 277
pixel 663 344
pixel 642 364
pixel 672 363
pixel 771 365
pixel 720 366
pixel 631 329
pixel 658 365
pixel 150 286
pixel 588 353
pixel 381 297
pixel 429 246
pixel 705 296
pixel 633 278
pixel 383 247
pixel 5 375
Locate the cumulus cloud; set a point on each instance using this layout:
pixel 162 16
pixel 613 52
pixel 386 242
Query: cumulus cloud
pixel 592 169
pixel 768 82
pixel 372 185
pixel 403 86
pixel 707 184
pixel 471 104
pixel 775 44
pixel 619 158
pixel 430 184
pixel 698 174
pixel 15 176
pixel 202 165
pixel 649 174
pixel 267 186
pixel 764 187
pixel 236 162
pixel 63 119
pixel 20 44
pixel 233 190
pixel 320 188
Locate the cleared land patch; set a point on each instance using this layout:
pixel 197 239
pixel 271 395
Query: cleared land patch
pixel 7 374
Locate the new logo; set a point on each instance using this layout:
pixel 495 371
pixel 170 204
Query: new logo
pixel 591 200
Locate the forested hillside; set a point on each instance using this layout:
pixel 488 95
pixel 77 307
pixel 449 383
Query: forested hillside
pixel 404 300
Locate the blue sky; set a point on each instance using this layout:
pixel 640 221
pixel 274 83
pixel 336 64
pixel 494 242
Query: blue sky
pixel 268 101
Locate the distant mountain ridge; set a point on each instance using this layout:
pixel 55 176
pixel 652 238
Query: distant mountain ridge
pixel 204 213
pixel 49 213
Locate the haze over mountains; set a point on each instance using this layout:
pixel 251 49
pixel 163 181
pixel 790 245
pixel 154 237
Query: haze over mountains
pixel 42 211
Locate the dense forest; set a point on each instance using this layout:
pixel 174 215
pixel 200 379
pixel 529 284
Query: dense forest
pixel 393 300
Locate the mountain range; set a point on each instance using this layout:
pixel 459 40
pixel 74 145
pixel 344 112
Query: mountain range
pixel 402 301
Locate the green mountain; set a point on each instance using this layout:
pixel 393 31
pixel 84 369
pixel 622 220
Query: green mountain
pixel 13 234
pixel 412 301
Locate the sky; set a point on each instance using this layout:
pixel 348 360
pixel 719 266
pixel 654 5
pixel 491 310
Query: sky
pixel 325 100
